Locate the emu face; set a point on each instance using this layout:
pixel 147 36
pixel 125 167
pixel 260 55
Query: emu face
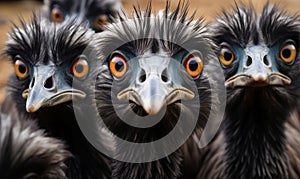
pixel 258 51
pixel 154 66
pixel 151 81
pixel 47 59
pixel 97 12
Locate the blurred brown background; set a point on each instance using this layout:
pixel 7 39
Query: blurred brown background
pixel 10 11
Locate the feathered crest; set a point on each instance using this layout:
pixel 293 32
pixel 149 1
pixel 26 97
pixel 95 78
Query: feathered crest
pixel 277 24
pixel 42 38
pixel 244 26
pixel 166 30
pixel 238 27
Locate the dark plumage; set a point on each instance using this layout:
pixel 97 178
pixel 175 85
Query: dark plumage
pixel 48 59
pixel 260 134
pixel 26 152
pixel 138 69
pixel 97 12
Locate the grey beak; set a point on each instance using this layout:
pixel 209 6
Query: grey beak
pixel 45 90
pixel 152 94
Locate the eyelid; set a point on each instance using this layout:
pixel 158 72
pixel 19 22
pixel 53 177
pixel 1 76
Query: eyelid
pixel 192 52
pixel 117 52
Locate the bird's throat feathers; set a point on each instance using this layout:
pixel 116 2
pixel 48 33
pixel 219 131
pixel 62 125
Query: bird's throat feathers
pixel 255 132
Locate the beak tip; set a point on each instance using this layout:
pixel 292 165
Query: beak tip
pixel 260 77
pixel 32 108
pixel 153 107
pixel 151 111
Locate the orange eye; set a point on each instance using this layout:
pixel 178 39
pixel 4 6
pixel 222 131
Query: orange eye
pixel 288 53
pixel 193 65
pixel 80 68
pixel 227 56
pixel 57 15
pixel 118 66
pixel 21 68
pixel 100 21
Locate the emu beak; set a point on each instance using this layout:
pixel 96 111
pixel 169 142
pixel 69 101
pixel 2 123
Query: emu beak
pixel 46 90
pixel 154 88
pixel 257 70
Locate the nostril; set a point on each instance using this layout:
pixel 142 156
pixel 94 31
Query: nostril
pixel 266 61
pixel 32 82
pixel 143 76
pixel 165 76
pixel 48 83
pixel 249 61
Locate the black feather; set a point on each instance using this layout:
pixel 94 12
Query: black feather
pixel 27 152
pixel 237 28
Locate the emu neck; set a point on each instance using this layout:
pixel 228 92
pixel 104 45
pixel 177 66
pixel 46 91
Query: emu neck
pixel 168 167
pixel 254 134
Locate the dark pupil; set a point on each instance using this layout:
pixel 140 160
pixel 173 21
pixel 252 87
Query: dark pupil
pixel 57 15
pixel 119 66
pixel 227 55
pixel 22 68
pixel 193 65
pixel 79 68
pixel 286 53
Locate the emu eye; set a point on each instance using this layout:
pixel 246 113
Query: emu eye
pixel 288 52
pixel 227 56
pixel 80 68
pixel 99 21
pixel 193 65
pixel 21 69
pixel 118 66
pixel 57 15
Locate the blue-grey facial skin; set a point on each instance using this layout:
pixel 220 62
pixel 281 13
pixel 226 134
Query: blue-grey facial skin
pixel 158 80
pixel 258 37
pixel 256 65
pixel 47 89
pixel 50 59
pixel 96 12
